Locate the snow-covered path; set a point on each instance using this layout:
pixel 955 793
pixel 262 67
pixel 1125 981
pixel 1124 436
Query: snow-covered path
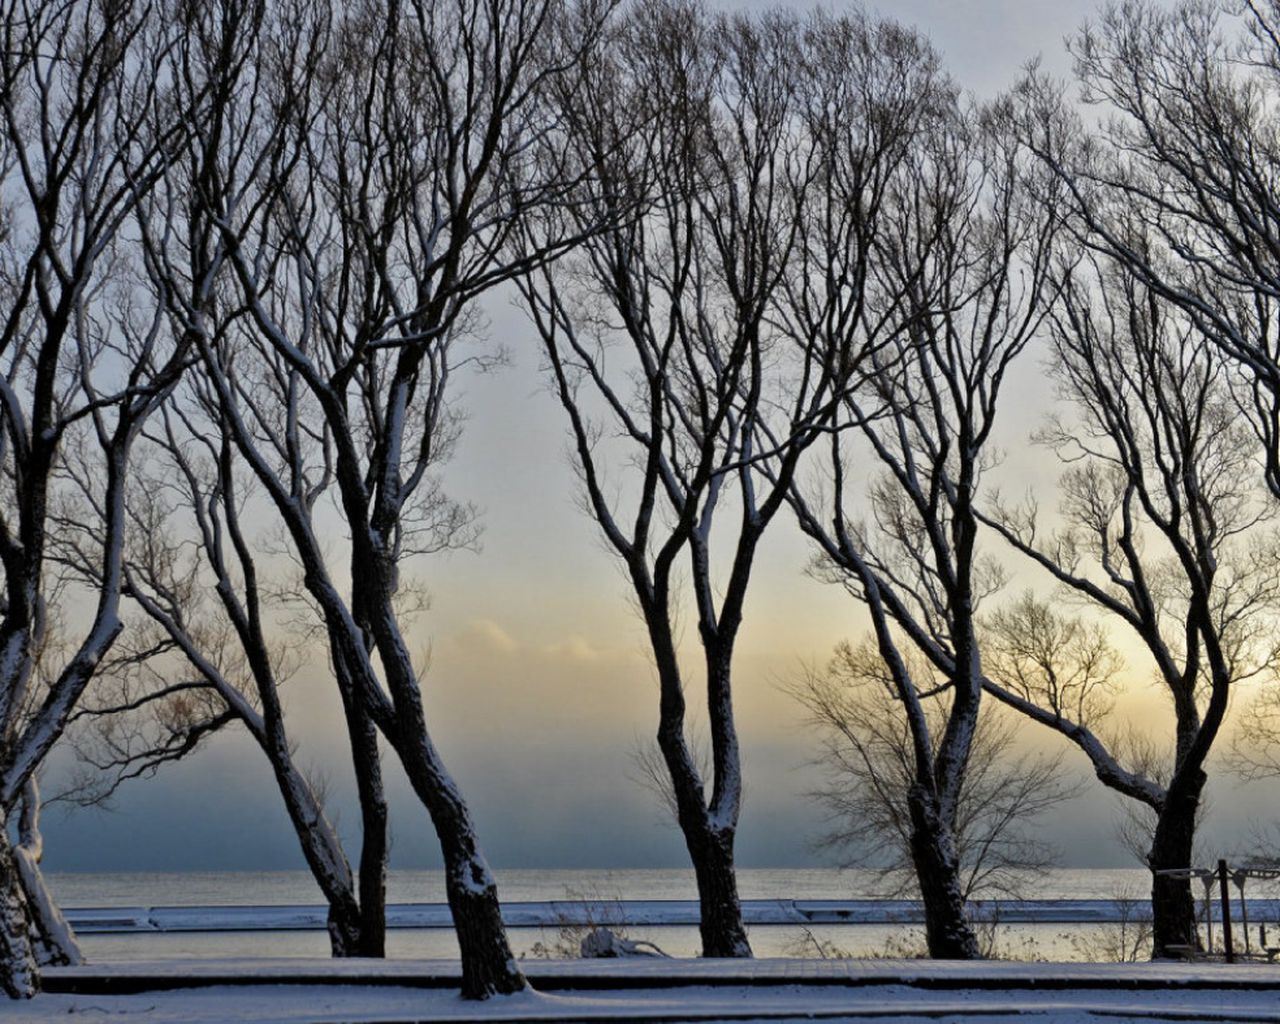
pixel 290 992
pixel 290 1004
pixel 655 972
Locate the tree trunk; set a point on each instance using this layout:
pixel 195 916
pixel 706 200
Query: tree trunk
pixel 343 925
pixel 55 941
pixel 720 911
pixel 321 847
pixel 1173 904
pixel 373 846
pixel 488 966
pixel 19 973
pixel 52 936
pixel 710 847
pixel 933 852
pixel 711 851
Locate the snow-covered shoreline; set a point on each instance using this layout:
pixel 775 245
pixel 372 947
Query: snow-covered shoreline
pixel 551 913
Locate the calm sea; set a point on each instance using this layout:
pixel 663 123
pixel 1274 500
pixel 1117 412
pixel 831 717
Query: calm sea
pixel 293 887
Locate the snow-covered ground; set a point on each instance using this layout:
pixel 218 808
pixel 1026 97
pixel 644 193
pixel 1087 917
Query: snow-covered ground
pixel 667 991
pixel 279 1004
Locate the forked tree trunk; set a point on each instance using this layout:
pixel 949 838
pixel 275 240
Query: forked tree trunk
pixel 711 852
pixel 488 965
pixel 720 910
pixel 19 973
pixel 948 932
pixel 709 842
pixel 1173 904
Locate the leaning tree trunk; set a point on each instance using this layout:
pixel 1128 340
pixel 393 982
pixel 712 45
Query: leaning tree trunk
pixel 1173 904
pixel 488 966
pixel 19 973
pixel 319 842
pixel 55 941
pixel 933 852
pixel 373 845
pixel 329 868
pixel 720 910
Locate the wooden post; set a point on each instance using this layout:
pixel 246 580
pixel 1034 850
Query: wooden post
pixel 1240 880
pixel 1224 885
pixel 1206 880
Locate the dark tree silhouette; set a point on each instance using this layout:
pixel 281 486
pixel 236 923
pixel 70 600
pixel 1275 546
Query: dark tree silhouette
pixel 679 340
pixel 963 274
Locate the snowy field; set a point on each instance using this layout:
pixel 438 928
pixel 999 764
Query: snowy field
pixel 671 991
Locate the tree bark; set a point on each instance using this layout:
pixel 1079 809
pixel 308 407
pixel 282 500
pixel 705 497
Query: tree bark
pixel 54 940
pixel 328 866
pixel 711 848
pixel 373 846
pixel 320 845
pixel 933 851
pixel 1173 904
pixel 343 925
pixel 720 910
pixel 19 973
pixel 488 966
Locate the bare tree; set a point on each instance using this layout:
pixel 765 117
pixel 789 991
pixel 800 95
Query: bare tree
pixel 866 756
pixel 85 129
pixel 337 222
pixel 215 640
pixel 670 343
pixel 1255 746
pixel 1176 178
pixel 970 253
pixel 1161 515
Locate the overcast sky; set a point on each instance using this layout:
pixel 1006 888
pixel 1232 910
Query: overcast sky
pixel 536 630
